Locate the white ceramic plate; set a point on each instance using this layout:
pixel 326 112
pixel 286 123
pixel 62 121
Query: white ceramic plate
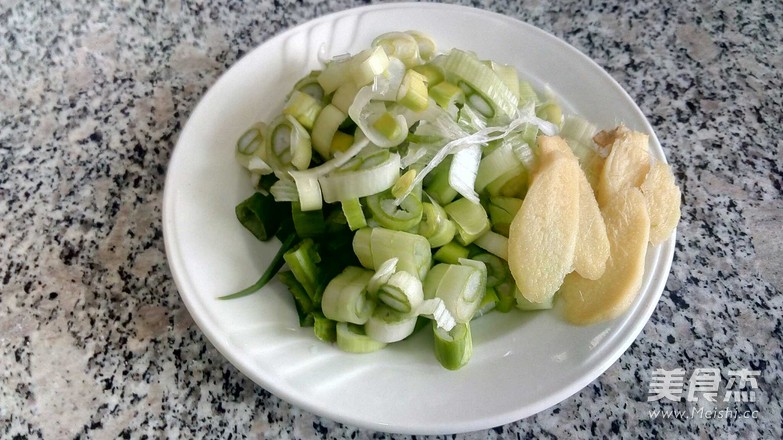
pixel 522 363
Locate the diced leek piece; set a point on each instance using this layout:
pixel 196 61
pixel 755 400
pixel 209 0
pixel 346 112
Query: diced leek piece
pixel 445 94
pixel 509 75
pixel 483 80
pixel 494 243
pixel 353 339
pixel 287 144
pixel 335 74
pixel 302 301
pixel 382 275
pixel 302 107
pixel 438 186
pixel 403 183
pixel 527 95
pixel 324 129
pixel 435 225
pixel 345 297
pixel 402 292
pixel 404 217
pixel 501 212
pixel 308 190
pixel 252 140
pixel 388 325
pixel 431 72
pixel 352 209
pixel 374 246
pixel 460 286
pixel 488 303
pixel 400 45
pixel 551 112
pixel 258 214
pixel 497 269
pixel 362 182
pixel 413 91
pixel 307 223
pixel 303 261
pixel 387 126
pixel 470 218
pixel 525 304
pixel 451 253
pixel 309 85
pixel 499 162
pixel 453 349
pixel 426 44
pixel 343 97
pixel 341 142
pixel 368 63
pixel 325 329
pixel 505 292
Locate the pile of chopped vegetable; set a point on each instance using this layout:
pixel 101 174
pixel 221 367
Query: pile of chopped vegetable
pixel 391 177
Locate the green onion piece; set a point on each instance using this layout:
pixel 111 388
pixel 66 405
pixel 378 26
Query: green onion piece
pixel 467 68
pixel 374 246
pixel 509 75
pixel 432 73
pixel 304 305
pixel 287 144
pixel 435 225
pixel 404 183
pixel 494 243
pixel 426 44
pixel 343 97
pixel 435 309
pixel 497 269
pixel 438 186
pixel 402 292
pixel 301 147
pixel 353 339
pixel 551 112
pixel 341 142
pixel 389 325
pixel 324 129
pixel 527 95
pixel 367 64
pixel 303 107
pixel 399 218
pixel 470 218
pixel 259 215
pixel 371 178
pixel 303 261
pixel 309 85
pixel 454 348
pixel 460 286
pixel 345 297
pixel 502 211
pixel 352 208
pixel 400 45
pixel 307 223
pixel 271 270
pixel 413 91
pixel 500 162
pixel 382 275
pixel 335 74
pixel 451 253
pixel 252 140
pixel 325 329
pixel 488 303
pixel 446 94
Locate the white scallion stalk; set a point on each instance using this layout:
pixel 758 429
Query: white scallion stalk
pixel 284 190
pixel 435 309
pixel 374 246
pixel 367 64
pixel 324 128
pixel 493 243
pixel 470 218
pixel 500 161
pixel 400 45
pixel 459 286
pixel 402 292
pixel 335 74
pixel 353 339
pixel 463 170
pixel 345 297
pixel 388 325
pixel 339 186
pixel 382 275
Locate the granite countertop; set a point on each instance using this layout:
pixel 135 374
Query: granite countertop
pixel 96 343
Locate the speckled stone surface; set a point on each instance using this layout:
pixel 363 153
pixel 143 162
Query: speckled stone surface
pixel 96 343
